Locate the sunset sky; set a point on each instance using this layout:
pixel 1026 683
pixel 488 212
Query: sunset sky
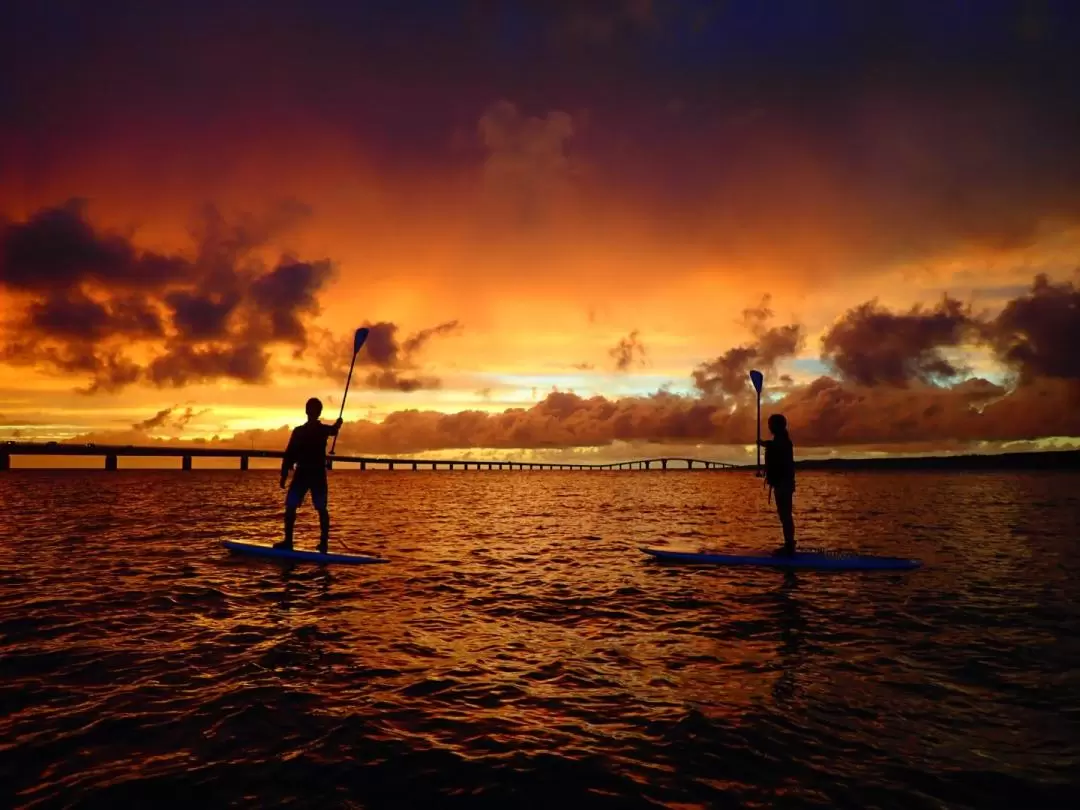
pixel 572 227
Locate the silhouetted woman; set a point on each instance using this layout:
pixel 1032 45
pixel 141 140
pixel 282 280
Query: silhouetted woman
pixel 780 476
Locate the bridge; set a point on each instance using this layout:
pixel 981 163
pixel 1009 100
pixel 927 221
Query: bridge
pixel 112 453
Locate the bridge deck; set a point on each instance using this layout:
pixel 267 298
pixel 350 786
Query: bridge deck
pixel 112 453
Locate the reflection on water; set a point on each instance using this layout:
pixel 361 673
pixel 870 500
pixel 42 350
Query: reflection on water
pixel 520 651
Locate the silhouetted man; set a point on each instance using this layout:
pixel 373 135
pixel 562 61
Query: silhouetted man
pixel 780 476
pixel 307 450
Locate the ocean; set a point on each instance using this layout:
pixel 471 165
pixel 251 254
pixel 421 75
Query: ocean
pixel 520 651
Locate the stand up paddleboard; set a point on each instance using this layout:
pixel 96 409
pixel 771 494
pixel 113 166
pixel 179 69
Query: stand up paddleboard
pixel 297 555
pixel 824 560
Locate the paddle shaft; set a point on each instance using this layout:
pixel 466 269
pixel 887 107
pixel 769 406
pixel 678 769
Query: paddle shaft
pixel 348 380
pixel 759 434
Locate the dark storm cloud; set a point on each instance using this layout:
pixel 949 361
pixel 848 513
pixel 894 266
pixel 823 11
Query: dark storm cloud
pixel 1038 333
pixel 72 314
pixel 202 316
pixel 870 345
pixel 183 364
pixel 87 294
pixel 286 294
pixel 58 248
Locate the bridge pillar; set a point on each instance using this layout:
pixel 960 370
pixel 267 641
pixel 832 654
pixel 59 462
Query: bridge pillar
pixel 434 465
pixel 451 465
pixel 243 462
pixel 5 461
pixel 329 463
pixel 110 461
pixel 390 465
pixel 363 466
pixel 414 465
pixel 187 462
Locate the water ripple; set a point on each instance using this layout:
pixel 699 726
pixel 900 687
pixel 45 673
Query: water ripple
pixel 520 651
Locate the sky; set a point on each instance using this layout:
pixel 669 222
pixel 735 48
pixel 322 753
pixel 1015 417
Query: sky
pixel 572 227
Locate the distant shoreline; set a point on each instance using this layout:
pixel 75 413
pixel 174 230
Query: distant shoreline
pixel 1038 460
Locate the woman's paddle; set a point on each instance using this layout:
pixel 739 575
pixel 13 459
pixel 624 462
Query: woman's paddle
pixel 758 379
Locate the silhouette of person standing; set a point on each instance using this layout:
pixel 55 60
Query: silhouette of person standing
pixel 780 477
pixel 307 450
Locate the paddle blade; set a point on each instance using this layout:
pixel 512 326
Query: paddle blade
pixel 359 338
pixel 757 379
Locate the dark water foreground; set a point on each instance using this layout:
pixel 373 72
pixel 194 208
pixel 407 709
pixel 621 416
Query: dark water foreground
pixel 519 651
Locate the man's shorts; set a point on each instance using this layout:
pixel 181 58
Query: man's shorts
pixel 302 482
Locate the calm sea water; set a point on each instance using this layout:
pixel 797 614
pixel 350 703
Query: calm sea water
pixel 520 652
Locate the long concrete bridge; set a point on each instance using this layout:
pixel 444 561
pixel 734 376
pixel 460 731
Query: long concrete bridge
pixel 112 453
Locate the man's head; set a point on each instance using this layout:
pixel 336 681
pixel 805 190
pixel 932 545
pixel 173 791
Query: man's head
pixel 313 408
pixel 777 423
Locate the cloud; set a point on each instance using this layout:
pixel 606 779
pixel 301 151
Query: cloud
pixel 170 417
pixel 1034 334
pixel 871 345
pixel 89 296
pixel 184 364
pixel 157 420
pixel 182 420
pixel 390 362
pixel 728 373
pixel 1038 334
pixel 825 416
pixel 57 248
pixel 627 351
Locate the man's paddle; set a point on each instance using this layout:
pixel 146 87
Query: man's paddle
pixel 757 379
pixel 358 341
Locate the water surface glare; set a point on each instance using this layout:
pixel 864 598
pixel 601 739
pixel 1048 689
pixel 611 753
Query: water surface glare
pixel 519 651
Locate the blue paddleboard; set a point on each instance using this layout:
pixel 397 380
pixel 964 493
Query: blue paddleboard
pixel 825 560
pixel 298 555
